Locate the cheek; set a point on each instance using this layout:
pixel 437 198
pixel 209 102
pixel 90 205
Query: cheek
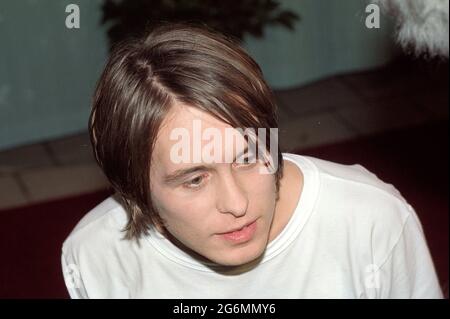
pixel 262 195
pixel 183 212
pixel 262 185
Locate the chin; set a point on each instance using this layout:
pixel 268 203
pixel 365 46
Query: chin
pixel 237 256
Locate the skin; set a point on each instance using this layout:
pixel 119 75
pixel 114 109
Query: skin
pixel 198 208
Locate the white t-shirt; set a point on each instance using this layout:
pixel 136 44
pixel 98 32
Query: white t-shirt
pixel 350 236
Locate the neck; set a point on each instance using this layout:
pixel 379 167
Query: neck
pixel 291 186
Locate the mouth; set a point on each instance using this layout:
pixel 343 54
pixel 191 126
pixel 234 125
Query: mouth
pixel 239 228
pixel 240 235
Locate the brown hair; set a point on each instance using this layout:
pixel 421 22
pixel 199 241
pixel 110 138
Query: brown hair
pixel 142 79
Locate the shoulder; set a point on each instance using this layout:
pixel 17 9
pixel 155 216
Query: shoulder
pixel 347 181
pixel 354 176
pixel 97 261
pixel 101 229
pixel 354 203
pixel 360 218
pixel 356 186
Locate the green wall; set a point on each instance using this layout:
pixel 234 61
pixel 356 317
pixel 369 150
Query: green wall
pixel 330 38
pixel 48 72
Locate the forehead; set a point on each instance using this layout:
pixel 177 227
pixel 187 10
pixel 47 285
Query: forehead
pixel 182 115
pixel 194 122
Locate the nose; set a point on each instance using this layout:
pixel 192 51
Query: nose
pixel 231 198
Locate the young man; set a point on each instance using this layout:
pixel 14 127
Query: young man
pixel 251 222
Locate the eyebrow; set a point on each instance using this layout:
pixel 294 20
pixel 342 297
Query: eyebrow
pixel 183 172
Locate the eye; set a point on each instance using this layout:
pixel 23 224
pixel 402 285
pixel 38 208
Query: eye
pixel 195 183
pixel 247 161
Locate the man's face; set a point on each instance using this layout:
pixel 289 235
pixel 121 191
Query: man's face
pixel 201 206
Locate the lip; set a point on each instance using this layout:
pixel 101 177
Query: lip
pixel 240 235
pixel 237 228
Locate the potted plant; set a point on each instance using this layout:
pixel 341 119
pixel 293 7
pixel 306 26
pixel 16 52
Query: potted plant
pixel 125 18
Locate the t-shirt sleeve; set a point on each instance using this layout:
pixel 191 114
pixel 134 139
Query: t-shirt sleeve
pixel 408 270
pixel 72 279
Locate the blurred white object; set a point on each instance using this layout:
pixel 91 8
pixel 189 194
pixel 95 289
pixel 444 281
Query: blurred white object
pixel 422 25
